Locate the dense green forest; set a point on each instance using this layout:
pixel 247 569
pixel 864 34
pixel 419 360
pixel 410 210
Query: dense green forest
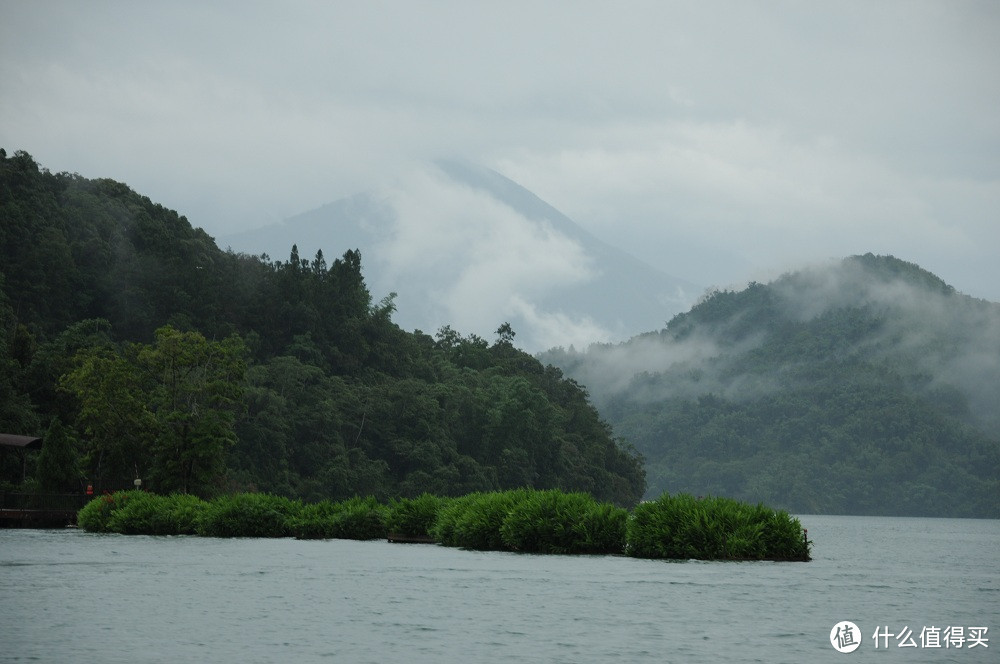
pixel 137 348
pixel 867 386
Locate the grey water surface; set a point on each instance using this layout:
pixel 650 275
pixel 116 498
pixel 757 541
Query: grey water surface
pixel 71 596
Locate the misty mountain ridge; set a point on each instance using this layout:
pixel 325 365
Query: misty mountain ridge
pixel 867 385
pixel 464 246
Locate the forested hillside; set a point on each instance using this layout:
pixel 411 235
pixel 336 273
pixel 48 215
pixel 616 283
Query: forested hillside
pixel 868 386
pixel 137 348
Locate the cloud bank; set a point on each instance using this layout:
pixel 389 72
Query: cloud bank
pixel 722 141
pixel 487 262
pixel 940 342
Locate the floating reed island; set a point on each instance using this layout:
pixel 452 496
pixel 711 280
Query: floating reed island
pixel 521 520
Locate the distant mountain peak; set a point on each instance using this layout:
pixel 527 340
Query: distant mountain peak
pixel 889 268
pixel 865 280
pixel 465 246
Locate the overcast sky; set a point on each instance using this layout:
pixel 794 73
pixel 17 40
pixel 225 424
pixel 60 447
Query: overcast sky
pixel 718 141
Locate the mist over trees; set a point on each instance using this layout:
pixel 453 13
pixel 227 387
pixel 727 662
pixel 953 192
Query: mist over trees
pixel 464 244
pixel 148 352
pixel 867 386
pixel 136 348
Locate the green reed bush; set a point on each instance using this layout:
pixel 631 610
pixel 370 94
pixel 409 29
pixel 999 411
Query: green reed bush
pixel 713 528
pixel 564 523
pixel 356 518
pixel 443 528
pixel 527 520
pixel 784 538
pixel 316 521
pixel 414 517
pixel 249 515
pixel 362 519
pixel 531 521
pixel 143 513
pixel 603 529
pixel 479 526
pixel 474 521
pixel 96 515
pixel 185 512
pixel 148 513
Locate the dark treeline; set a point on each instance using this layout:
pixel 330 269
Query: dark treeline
pixel 137 348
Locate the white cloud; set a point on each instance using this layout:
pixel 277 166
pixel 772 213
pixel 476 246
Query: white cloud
pixel 759 193
pixel 552 329
pixel 487 263
pixel 715 138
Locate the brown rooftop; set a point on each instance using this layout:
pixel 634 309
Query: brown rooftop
pixel 21 442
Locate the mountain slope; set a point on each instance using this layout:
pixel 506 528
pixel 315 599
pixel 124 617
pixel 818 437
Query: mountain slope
pixel 464 246
pixel 868 386
pixel 162 357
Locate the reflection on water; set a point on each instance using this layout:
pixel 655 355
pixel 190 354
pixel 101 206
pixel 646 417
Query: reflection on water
pixel 72 596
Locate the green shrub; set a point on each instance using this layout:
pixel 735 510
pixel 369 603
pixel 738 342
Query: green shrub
pixel 316 521
pixel 564 523
pixel 526 520
pixel 712 528
pixel 361 519
pixel 479 526
pixel 414 517
pixel 249 515
pixel 96 515
pixel 443 529
pixel 604 527
pixel 143 514
pixel 356 518
pixel 531 521
pixel 474 521
pixel 185 512
pixel 783 537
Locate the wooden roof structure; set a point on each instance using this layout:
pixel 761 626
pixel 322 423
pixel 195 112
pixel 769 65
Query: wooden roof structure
pixel 10 440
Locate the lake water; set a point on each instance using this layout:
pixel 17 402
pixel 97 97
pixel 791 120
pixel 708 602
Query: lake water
pixel 70 596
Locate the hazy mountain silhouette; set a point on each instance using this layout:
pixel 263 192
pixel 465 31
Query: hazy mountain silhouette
pixel 465 246
pixel 865 386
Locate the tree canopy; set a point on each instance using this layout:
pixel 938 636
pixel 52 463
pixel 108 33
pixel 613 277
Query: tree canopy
pixel 202 370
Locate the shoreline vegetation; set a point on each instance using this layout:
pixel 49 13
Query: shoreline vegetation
pixel 521 520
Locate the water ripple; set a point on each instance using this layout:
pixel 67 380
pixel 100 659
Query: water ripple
pixel 72 596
